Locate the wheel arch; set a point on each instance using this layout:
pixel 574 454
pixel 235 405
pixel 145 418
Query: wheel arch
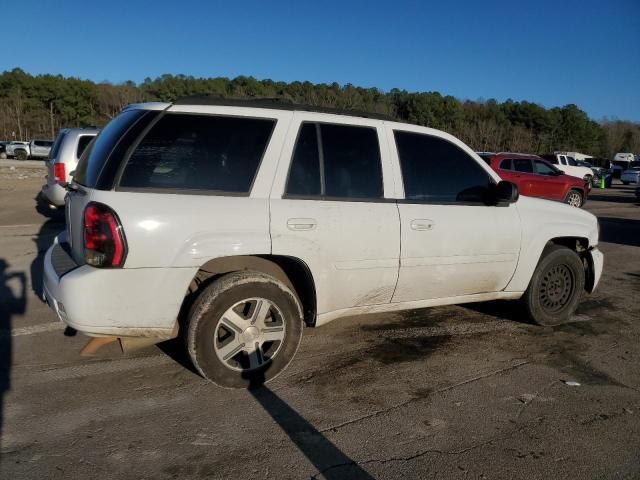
pixel 291 271
pixel 536 251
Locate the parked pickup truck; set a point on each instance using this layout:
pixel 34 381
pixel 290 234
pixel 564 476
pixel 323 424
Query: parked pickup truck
pixel 35 149
pixel 19 150
pixel 569 166
pixel 234 224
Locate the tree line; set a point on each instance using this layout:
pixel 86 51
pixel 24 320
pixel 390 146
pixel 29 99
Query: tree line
pixel 37 106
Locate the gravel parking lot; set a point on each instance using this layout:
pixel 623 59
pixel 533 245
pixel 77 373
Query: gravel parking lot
pixel 454 392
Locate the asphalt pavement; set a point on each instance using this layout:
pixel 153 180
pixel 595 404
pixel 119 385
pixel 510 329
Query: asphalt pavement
pixel 468 391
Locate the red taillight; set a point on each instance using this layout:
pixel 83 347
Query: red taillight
pixel 58 172
pixel 104 240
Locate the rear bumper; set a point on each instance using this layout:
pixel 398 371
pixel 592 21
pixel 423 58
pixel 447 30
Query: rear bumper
pixel 54 194
pixel 141 302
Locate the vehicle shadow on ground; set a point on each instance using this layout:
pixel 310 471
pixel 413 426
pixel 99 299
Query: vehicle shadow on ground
pixel 504 309
pixel 43 208
pixel 597 197
pixel 43 240
pixel 330 462
pixel 13 301
pixel 623 231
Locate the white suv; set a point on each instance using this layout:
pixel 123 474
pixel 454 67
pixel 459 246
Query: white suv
pixel 239 222
pixel 63 159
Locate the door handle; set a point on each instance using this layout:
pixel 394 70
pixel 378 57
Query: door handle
pixel 422 224
pixel 301 224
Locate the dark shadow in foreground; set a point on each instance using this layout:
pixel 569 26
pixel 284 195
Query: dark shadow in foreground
pixel 43 240
pixel 623 231
pixel 10 304
pixel 328 459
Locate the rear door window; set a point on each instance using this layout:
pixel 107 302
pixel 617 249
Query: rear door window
pixel 304 174
pixel 505 164
pixel 199 152
pixel 336 162
pixel 352 165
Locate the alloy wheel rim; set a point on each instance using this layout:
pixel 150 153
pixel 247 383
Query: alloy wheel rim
pixel 557 288
pixel 574 199
pixel 249 334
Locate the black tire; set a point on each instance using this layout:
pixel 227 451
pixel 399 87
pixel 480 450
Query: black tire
pixel 574 198
pixel 205 322
pixel 21 154
pixel 556 287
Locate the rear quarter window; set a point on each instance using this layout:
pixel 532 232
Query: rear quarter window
pixel 56 145
pixel 83 141
pixel 98 167
pixel 199 152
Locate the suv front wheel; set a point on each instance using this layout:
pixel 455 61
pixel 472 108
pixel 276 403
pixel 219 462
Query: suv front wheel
pixel 556 286
pixel 574 198
pixel 244 329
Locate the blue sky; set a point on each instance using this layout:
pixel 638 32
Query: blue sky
pixel 549 52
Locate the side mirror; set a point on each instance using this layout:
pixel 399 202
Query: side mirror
pixel 505 193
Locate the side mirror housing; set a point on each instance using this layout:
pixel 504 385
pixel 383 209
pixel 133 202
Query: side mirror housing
pixel 505 193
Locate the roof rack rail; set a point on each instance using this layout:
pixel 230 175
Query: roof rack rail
pixel 276 103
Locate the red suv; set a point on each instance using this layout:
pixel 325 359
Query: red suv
pixel 536 177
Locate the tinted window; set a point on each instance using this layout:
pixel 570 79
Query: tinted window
pixel 347 166
pixel 572 161
pixel 90 165
pixel 197 152
pixel 551 159
pixel 56 145
pixel 83 141
pixel 522 165
pixel 351 157
pixel 436 170
pixel 304 175
pixel 544 168
pixel 505 164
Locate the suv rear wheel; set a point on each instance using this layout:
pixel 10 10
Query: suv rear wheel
pixel 556 286
pixel 244 329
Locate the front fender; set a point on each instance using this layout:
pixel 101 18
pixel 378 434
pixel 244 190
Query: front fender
pixel 544 221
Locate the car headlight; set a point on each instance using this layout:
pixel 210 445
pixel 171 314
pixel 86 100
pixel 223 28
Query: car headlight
pixel 586 178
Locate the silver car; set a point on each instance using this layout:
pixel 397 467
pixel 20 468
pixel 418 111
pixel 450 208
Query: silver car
pixel 63 159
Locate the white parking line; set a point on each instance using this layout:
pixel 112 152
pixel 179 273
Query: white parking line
pixel 43 327
pixel 21 226
pixel 90 369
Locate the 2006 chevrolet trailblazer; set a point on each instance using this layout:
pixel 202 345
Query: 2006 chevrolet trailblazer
pixel 242 221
